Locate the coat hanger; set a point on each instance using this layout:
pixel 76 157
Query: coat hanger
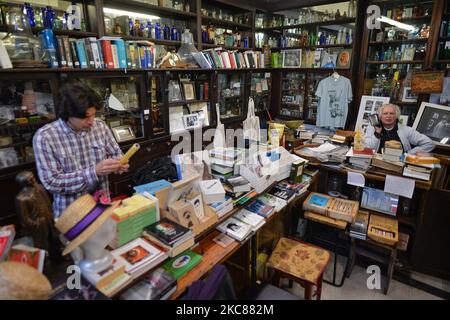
pixel 335 75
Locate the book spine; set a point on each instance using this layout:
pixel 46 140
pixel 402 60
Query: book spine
pixel 107 54
pixel 73 49
pixel 128 51
pixel 89 53
pixel 122 54
pixel 115 56
pixel 95 53
pixel 100 53
pixel 61 53
pixel 142 61
pixel 81 53
pixel 68 52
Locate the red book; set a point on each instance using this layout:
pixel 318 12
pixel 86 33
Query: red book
pixel 232 61
pixel 107 54
pixel 365 151
pixel 34 257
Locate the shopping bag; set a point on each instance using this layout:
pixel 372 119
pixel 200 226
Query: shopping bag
pixel 251 124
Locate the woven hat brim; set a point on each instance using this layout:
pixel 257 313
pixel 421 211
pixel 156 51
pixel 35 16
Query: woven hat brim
pixel 82 237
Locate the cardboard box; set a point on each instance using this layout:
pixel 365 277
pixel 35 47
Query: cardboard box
pixel 383 229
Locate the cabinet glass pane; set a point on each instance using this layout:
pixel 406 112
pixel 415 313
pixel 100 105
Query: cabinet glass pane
pixel 231 95
pixel 293 93
pixel 260 91
pixel 312 100
pixel 157 106
pixel 24 107
pixel 121 110
pixel 189 101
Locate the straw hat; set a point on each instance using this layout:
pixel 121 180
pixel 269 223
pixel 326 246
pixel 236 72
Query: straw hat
pixel 81 219
pixel 19 281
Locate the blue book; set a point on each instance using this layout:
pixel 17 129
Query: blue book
pixel 319 200
pixel 260 208
pixel 121 52
pixel 152 187
pixel 148 57
pixel 81 52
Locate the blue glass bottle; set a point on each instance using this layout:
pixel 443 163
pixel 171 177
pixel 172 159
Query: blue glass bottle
pixel 44 17
pixel 50 17
pixel 131 25
pixel 245 42
pixel 30 14
pixel 173 33
pixel 157 31
pixel 166 32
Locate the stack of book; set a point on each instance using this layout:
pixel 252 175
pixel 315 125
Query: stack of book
pixel 420 167
pixel 212 190
pixel 159 284
pixel 136 213
pixel 222 207
pixel 358 229
pixel 336 208
pixel 379 162
pixel 238 184
pixel 139 256
pixel 306 134
pixel 393 151
pixel 360 160
pixel 7 234
pixel 224 161
pixel 170 235
pixel 338 139
pixel 320 138
pixel 261 208
pixel 250 218
pixel 235 228
pixel 273 201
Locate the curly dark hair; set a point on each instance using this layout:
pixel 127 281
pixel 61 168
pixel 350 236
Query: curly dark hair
pixel 75 99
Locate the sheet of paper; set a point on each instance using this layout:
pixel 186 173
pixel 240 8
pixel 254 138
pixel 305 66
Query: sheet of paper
pixel 325 147
pixel 115 104
pixel 355 179
pixel 400 186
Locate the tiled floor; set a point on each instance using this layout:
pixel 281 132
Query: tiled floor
pixel 355 287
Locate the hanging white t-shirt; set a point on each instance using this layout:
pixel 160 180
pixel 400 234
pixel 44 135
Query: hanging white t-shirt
pixel 333 105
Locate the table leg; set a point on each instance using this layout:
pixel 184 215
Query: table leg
pixel 351 264
pixel 391 268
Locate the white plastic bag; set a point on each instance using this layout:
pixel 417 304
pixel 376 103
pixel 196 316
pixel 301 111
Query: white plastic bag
pixel 251 125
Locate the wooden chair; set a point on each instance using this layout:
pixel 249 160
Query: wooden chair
pixel 299 262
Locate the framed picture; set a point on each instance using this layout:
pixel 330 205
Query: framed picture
pixel 202 110
pixel 123 133
pixel 403 119
pixel 292 58
pixel 344 59
pixel 369 105
pixel 191 121
pixel 174 91
pixel 408 54
pixel 188 89
pixel 408 95
pixel 433 120
pixel 427 81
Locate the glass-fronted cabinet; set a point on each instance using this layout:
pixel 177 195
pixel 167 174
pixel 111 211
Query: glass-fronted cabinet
pixel 312 101
pixel 157 110
pixel 292 95
pixel 25 106
pixel 122 105
pixel 231 94
pixel 260 90
pixel 188 99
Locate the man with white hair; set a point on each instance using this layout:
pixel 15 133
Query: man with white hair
pixel 390 129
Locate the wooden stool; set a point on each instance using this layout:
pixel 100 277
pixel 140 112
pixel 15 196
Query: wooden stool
pixel 299 262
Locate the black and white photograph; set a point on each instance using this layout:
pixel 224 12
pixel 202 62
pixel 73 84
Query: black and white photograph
pixel 191 121
pixel 433 120
pixel 174 91
pixel 408 95
pixel 369 105
pixel 292 58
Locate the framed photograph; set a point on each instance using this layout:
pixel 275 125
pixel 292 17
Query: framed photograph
pixel 191 121
pixel 403 119
pixel 427 81
pixel 174 91
pixel 368 106
pixel 433 120
pixel 188 89
pixel 408 95
pixel 123 133
pixel 344 59
pixel 202 110
pixel 408 54
pixel 292 58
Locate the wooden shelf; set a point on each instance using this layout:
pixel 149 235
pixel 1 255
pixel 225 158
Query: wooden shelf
pixel 396 62
pixel 70 33
pixel 444 38
pixel 141 7
pixel 308 25
pixel 447 61
pixel 347 46
pixel 225 23
pixel 405 103
pixel 286 117
pixel 408 221
pixel 179 103
pixel 414 18
pixel 400 42
pixel 155 41
pixel 23 125
pixel 208 45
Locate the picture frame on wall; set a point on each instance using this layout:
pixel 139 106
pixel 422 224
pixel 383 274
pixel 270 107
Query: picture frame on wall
pixel 188 89
pixel 344 59
pixel 433 120
pixel 191 121
pixel 408 95
pixel 123 133
pixel 174 91
pixel 292 58
pixel 368 106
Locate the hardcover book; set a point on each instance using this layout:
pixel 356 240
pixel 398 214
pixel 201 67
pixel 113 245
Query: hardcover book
pixel 168 231
pixel 235 228
pixel 260 208
pixel 182 263
pixel 251 218
pixel 336 208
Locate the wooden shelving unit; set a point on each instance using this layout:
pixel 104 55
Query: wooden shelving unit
pixel 225 23
pixel 309 25
pixel 137 6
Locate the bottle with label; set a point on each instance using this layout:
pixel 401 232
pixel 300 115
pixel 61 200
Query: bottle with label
pixel 131 26
pixel 339 37
pixel 397 54
pixel 150 30
pixel 388 54
pixel 174 33
pixel 157 31
pixel 337 16
pixel 166 32
pixel 357 144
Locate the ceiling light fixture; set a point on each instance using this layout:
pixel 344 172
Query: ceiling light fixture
pixel 397 24
pixel 130 13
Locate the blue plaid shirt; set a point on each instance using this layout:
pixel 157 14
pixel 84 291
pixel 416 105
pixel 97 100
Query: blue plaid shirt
pixel 66 160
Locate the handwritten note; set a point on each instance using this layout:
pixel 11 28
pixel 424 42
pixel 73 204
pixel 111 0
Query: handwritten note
pixel 355 179
pixel 400 186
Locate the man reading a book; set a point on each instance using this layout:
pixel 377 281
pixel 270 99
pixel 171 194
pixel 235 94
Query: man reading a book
pixel 76 153
pixel 389 128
